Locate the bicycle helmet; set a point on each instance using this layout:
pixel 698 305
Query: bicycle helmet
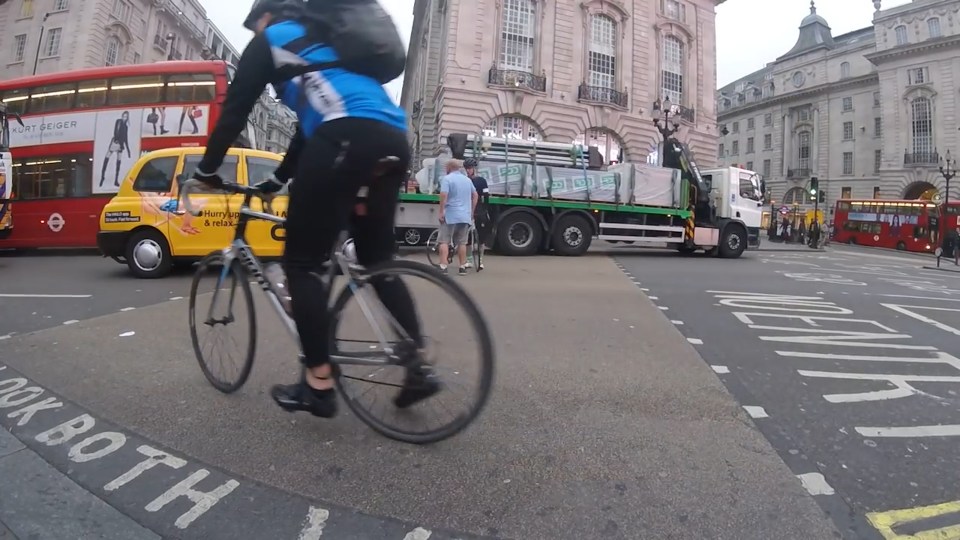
pixel 260 7
pixel 470 163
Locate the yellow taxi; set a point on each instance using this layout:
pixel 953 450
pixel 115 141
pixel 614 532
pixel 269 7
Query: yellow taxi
pixel 144 227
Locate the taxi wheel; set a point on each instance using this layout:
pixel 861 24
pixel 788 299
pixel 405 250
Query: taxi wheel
pixel 148 254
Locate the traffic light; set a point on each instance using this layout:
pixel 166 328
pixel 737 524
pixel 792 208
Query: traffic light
pixel 814 187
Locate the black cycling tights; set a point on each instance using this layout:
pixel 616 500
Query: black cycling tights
pixel 338 159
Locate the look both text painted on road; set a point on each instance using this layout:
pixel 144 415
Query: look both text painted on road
pixel 153 486
pixel 820 330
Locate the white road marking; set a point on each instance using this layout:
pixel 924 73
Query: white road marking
pixel 72 321
pixel 127 309
pixel 654 297
pixel 645 289
pixel 8 336
pixel 678 323
pixel 938 358
pixel 815 484
pixel 923 318
pixel 756 412
pixel 721 369
pixel 127 334
pixel 919 297
pixel 418 534
pixel 902 383
pixel 695 341
pixel 664 308
pixel 914 431
pixel 46 295
pixel 177 298
pixel 313 526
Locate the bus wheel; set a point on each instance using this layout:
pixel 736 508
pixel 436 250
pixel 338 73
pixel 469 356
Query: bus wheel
pixel 901 246
pixel 572 236
pixel 519 234
pixel 852 242
pixel 148 254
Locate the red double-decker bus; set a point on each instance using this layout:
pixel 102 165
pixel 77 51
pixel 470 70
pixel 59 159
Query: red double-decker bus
pixel 906 225
pixel 83 130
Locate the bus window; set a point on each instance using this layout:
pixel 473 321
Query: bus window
pixel 191 87
pixel 139 90
pixel 48 99
pixel 92 94
pixel 16 100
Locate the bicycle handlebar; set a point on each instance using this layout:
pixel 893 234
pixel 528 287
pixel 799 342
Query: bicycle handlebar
pixel 195 186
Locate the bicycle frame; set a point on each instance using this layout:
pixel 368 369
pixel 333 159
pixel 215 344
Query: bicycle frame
pixel 240 250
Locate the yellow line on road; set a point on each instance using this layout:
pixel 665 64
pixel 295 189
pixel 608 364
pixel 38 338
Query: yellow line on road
pixel 886 521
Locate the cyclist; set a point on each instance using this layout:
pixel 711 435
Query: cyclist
pixel 347 123
pixel 481 215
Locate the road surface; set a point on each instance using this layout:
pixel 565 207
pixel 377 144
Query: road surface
pixel 847 362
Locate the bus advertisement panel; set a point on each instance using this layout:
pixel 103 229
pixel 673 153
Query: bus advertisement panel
pixel 906 225
pixel 83 131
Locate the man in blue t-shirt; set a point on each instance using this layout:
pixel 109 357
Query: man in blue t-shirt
pixel 458 199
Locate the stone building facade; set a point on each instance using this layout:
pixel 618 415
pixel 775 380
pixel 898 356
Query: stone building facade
pixel 869 113
pixel 562 71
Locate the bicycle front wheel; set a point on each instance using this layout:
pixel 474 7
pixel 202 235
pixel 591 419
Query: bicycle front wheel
pixel 220 303
pixel 374 391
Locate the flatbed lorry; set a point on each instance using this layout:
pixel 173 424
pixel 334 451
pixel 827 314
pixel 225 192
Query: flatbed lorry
pixel 556 197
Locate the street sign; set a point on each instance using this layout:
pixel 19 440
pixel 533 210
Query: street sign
pixel 784 210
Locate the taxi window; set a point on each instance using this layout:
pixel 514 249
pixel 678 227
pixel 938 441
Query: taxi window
pixel 259 169
pixel 227 171
pixel 156 175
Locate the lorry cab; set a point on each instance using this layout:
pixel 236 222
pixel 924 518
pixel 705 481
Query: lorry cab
pixel 737 194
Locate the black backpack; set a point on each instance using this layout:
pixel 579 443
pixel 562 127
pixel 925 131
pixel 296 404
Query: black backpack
pixel 363 36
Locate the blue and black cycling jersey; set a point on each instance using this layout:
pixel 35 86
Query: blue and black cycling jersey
pixel 278 57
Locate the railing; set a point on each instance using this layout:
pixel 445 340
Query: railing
pixel 798 173
pixel 686 113
pixel 921 158
pixel 600 94
pixel 517 79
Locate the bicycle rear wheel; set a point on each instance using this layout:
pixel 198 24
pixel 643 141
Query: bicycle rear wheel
pixel 224 308
pixel 433 247
pixel 447 300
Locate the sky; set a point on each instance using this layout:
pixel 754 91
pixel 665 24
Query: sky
pixel 750 33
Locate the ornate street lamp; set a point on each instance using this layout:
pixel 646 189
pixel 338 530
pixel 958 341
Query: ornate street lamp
pixel 948 169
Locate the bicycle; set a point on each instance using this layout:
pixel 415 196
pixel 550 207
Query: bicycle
pixel 433 248
pixel 239 261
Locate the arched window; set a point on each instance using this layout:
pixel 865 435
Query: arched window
pixel 671 69
pixel 607 143
pixel 517 35
pixel 922 126
pixel 901 32
pixel 794 196
pixel 512 127
pixel 804 151
pixel 602 62
pixel 844 70
pixel 112 51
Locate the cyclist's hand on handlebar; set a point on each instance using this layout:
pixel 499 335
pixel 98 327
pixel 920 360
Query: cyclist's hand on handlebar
pixel 270 185
pixel 210 181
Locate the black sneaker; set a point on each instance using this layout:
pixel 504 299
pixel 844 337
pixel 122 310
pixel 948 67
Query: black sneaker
pixel 462 271
pixel 419 384
pixel 300 397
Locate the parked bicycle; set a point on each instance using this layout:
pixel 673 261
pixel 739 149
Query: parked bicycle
pixel 238 265
pixel 433 249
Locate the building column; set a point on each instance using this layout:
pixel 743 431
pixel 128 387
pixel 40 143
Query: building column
pixel 787 143
pixel 815 143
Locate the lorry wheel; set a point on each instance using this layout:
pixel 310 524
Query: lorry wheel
pixel 572 236
pixel 412 237
pixel 519 234
pixel 733 242
pixel 148 255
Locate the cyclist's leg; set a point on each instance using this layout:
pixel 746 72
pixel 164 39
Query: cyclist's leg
pixel 318 209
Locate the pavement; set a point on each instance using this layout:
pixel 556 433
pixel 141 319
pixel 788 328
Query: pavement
pixel 847 362
pixel 605 422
